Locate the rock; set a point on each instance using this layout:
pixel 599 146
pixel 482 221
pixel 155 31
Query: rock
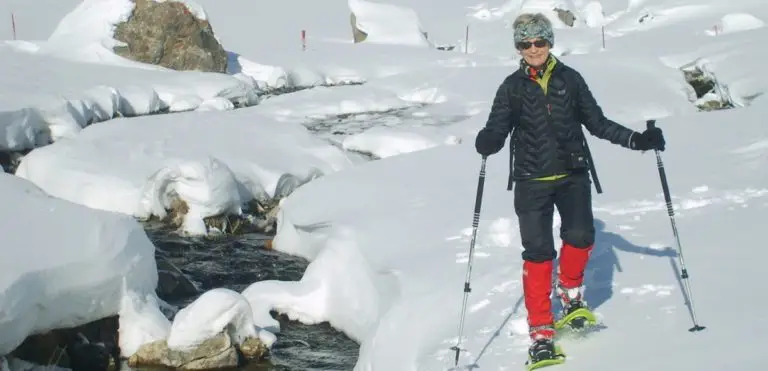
pixel 566 16
pixel 700 82
pixel 172 282
pixel 10 160
pixel 253 349
pixel 358 35
pixel 178 209
pixel 215 353
pixel 705 88
pixel 169 35
pixel 90 347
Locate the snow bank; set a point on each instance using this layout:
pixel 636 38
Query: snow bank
pixel 213 161
pixel 73 267
pixel 215 311
pixel 46 98
pixel 86 33
pixel 387 24
pixel 737 22
pixel 325 292
pixel 141 321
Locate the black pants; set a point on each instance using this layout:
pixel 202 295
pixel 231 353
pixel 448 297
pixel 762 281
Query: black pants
pixel 535 201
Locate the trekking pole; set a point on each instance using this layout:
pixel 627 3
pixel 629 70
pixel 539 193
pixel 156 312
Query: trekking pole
pixel 670 210
pixel 467 289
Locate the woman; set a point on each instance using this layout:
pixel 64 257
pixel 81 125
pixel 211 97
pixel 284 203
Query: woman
pixel 543 104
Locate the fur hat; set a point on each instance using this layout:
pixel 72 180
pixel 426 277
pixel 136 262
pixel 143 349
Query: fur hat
pixel 529 26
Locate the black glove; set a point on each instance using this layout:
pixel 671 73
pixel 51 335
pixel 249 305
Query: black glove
pixel 488 143
pixel 649 139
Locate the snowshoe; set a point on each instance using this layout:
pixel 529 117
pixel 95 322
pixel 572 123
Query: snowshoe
pixel 576 314
pixel 543 353
pixel 577 317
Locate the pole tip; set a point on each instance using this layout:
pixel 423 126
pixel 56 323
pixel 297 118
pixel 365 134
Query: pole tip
pixel 696 328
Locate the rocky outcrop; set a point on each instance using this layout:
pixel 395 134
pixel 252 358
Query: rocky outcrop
pixel 168 34
pixel 215 353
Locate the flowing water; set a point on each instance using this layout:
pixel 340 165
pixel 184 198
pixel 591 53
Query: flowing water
pixel 234 262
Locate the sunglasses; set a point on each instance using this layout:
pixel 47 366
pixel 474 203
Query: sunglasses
pixel 527 44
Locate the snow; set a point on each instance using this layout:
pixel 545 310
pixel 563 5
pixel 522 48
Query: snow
pixel 75 266
pixel 46 98
pixel 388 240
pixel 387 24
pixel 214 311
pixel 737 22
pixel 141 321
pixel 86 32
pixel 212 162
pixel 416 235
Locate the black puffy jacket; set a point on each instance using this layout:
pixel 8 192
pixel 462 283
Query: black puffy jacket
pixel 545 116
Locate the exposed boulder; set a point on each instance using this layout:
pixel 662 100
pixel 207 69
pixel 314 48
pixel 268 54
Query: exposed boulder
pixel 218 352
pixel 170 35
pixel 566 16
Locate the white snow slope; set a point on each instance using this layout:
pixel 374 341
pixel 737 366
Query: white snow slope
pixel 389 239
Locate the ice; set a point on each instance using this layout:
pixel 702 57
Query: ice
pixel 75 266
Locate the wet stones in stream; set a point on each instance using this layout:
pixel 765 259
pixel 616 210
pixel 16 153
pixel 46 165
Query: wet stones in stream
pixel 235 262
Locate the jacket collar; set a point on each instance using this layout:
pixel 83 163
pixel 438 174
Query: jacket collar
pixel 552 65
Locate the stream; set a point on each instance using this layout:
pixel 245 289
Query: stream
pixel 234 262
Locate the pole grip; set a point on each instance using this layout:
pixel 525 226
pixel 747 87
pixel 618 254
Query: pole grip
pixel 650 124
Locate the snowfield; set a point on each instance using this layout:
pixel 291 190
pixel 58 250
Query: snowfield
pixel 388 240
pixel 413 239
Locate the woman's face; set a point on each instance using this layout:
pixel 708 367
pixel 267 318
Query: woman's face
pixel 535 51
